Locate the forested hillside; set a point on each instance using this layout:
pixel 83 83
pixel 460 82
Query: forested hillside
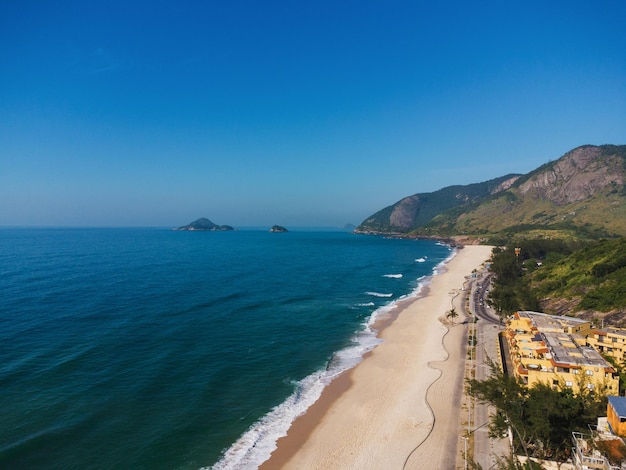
pixel 585 279
pixel 580 195
pixel 418 210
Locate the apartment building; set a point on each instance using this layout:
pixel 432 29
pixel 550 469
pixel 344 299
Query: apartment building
pixel 609 341
pixel 553 350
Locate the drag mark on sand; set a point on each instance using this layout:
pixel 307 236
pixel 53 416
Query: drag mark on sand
pixel 428 405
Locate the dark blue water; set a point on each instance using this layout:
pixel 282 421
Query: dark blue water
pixel 150 348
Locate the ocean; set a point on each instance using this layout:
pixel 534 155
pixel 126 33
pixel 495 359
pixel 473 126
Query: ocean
pixel 159 349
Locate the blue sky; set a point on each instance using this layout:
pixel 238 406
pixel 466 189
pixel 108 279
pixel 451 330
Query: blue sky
pixel 294 113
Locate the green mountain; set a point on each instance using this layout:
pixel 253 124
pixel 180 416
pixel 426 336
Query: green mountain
pixel 205 224
pixel 581 195
pixel 417 211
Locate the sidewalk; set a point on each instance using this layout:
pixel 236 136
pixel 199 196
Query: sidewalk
pixel 485 450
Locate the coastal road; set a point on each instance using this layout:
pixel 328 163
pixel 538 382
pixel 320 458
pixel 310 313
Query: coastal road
pixel 479 299
pixel 485 450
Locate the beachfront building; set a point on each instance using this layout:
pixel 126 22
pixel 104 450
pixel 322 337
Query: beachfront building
pixel 616 415
pixel 609 341
pixel 552 349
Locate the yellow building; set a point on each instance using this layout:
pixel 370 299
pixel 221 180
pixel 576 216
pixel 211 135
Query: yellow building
pixel 609 341
pixel 552 350
pixel 534 321
pixel 616 415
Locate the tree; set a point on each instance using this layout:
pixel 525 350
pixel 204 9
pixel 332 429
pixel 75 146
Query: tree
pixel 452 314
pixel 552 415
pixel 541 417
pixel 510 462
pixel 508 395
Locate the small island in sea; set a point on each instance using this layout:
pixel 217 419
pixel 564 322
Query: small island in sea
pixel 205 224
pixel 278 229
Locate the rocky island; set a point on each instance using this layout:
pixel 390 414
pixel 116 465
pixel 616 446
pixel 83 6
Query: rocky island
pixel 278 229
pixel 206 225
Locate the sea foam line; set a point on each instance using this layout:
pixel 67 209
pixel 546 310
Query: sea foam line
pixel 256 445
pixel 378 294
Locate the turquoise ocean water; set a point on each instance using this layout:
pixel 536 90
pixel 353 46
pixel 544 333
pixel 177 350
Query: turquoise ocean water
pixel 151 348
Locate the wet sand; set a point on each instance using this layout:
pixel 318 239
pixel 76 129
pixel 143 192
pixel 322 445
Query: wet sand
pixel 400 407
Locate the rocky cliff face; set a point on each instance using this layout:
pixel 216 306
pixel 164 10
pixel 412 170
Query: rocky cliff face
pixel 576 176
pixel 506 184
pixel 418 210
pixel 403 214
pixel 583 191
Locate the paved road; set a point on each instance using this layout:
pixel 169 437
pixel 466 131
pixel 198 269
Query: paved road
pixel 487 347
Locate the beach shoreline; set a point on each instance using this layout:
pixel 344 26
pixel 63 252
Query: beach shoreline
pixel 402 402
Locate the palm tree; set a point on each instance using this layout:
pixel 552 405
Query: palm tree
pixel 452 314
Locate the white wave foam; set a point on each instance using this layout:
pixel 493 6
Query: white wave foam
pixel 368 304
pixel 378 294
pixel 437 268
pixel 256 445
pixel 382 311
pixel 421 260
pixel 394 276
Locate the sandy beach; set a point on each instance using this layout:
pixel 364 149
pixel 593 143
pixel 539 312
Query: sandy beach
pixel 400 407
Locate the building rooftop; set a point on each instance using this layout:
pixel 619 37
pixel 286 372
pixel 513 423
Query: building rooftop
pixel 612 331
pixel 565 351
pixel 546 323
pixel 619 405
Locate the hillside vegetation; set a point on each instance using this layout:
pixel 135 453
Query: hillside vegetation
pixel 581 195
pixel 568 217
pixel 584 279
pixel 591 280
pixel 418 210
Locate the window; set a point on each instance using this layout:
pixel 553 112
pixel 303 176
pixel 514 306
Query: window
pixel 589 372
pixel 569 384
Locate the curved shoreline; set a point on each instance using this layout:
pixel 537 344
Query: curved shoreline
pixel 373 415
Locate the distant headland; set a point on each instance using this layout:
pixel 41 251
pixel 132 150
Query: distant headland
pixel 206 225
pixel 278 229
